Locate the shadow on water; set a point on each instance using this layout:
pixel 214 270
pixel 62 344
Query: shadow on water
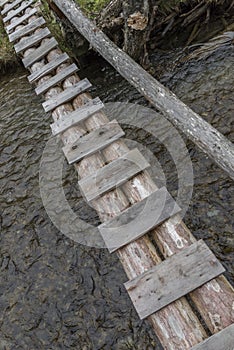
pixel 56 294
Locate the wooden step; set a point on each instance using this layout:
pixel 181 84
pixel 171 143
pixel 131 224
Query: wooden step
pixel 93 142
pixel 20 20
pixel 223 340
pixel 40 52
pixel 173 278
pixel 139 219
pixel 27 29
pixel 113 175
pixel 79 115
pixel 67 95
pixel 10 6
pixel 48 68
pixel 56 79
pixel 18 11
pixel 3 2
pixel 32 40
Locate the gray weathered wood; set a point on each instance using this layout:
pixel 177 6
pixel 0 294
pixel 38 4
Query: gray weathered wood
pixel 223 340
pixel 80 114
pixel 67 95
pixel 32 40
pixel 40 52
pixel 17 11
pixel 63 74
pixel 93 142
pixel 10 6
pixel 20 20
pixel 27 29
pixel 48 68
pixel 113 175
pixel 173 278
pixel 139 219
pixel 207 138
pixel 3 2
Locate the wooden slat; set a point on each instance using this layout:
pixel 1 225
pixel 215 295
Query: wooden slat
pixel 32 40
pixel 139 219
pixel 17 11
pixel 66 95
pixel 113 175
pixel 49 67
pixel 3 2
pixel 20 20
pixel 63 74
pixel 40 52
pixel 93 142
pixel 80 114
pixel 27 29
pixel 173 278
pixel 10 6
pixel 224 340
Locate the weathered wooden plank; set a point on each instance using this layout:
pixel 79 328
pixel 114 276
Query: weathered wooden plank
pixel 18 11
pixel 10 6
pixel 48 68
pixel 3 2
pixel 20 20
pixel 40 52
pixel 93 142
pixel 139 219
pixel 66 95
pixel 77 116
pixel 173 278
pixel 113 175
pixel 223 340
pixel 63 74
pixel 32 40
pixel 27 29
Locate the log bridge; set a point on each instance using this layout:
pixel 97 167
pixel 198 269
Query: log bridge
pixel 175 282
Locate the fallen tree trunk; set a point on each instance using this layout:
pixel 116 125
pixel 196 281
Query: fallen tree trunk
pixel 207 138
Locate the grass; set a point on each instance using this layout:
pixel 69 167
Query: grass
pixel 92 7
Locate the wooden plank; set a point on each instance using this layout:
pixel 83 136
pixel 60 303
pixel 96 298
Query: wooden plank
pixel 223 340
pixel 173 278
pixel 18 11
pixel 40 52
pixel 113 175
pixel 48 68
pixel 80 114
pixel 27 29
pixel 10 6
pixel 3 2
pixel 63 74
pixel 20 20
pixel 32 40
pixel 93 142
pixel 139 219
pixel 66 95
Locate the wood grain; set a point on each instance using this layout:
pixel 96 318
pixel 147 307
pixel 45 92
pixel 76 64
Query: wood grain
pixel 20 20
pixel 173 278
pixel 10 6
pixel 32 40
pixel 17 11
pixel 27 29
pixel 113 175
pixel 40 52
pixel 93 142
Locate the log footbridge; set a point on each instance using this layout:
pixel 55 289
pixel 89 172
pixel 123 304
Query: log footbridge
pixel 181 286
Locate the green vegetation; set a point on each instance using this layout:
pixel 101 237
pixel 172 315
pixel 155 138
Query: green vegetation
pixel 7 54
pixel 92 7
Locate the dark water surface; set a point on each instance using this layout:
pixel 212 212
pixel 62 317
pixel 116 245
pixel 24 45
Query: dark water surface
pixel 57 294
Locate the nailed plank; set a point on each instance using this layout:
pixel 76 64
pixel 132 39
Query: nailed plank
pixel 93 142
pixel 63 74
pixel 32 40
pixel 27 29
pixel 223 340
pixel 20 20
pixel 66 95
pixel 17 11
pixel 10 6
pixel 40 52
pixel 113 175
pixel 139 219
pixel 80 114
pixel 173 278
pixel 49 67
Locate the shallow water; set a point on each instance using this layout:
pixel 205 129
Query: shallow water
pixel 57 294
